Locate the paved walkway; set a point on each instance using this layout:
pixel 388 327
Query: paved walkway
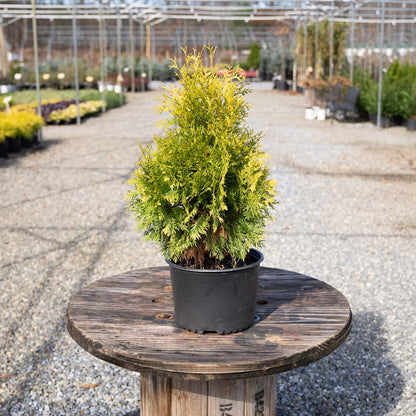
pixel 347 216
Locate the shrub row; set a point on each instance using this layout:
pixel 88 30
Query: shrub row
pixel 20 124
pixel 398 94
pixel 18 129
pixel 69 113
pixel 47 107
pixel 112 98
pixel 64 111
pixel 61 111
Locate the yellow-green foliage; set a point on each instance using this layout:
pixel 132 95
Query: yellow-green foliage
pixel 30 107
pixel 7 126
pixel 203 193
pixel 19 124
pixel 70 113
pixel 67 114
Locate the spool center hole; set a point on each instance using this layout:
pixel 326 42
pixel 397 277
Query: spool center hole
pixel 164 316
pixel 160 300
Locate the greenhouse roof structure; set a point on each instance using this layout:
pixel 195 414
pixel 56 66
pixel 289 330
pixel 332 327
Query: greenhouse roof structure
pixel 381 23
pixel 155 11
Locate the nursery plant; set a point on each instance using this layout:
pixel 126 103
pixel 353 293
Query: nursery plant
pixel 21 124
pixel 398 101
pixel 203 191
pixel 51 95
pixel 17 127
pixel 69 113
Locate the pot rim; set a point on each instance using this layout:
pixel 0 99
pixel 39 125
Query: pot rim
pixel 256 253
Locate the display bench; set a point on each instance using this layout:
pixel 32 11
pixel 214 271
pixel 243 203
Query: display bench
pixel 127 320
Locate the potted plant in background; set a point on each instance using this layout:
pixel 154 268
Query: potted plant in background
pixel 398 104
pixel 204 195
pixel 409 104
pixel 17 127
pixel 3 145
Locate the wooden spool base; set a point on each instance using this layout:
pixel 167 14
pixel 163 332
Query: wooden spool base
pixel 128 320
pixel 166 396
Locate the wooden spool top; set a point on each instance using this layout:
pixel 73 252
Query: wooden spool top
pixel 127 320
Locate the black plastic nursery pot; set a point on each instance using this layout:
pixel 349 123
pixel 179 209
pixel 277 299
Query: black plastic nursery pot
pixel 221 301
pixel 385 122
pixel 411 124
pixel 3 149
pixel 26 142
pixel 14 145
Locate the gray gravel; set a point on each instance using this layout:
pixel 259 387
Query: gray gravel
pixel 346 216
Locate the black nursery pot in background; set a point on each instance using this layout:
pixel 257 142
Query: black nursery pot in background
pixel 3 149
pixel 26 142
pixel 14 144
pixel 411 124
pixel 221 301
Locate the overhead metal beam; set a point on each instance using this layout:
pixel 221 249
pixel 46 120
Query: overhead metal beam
pixel 399 11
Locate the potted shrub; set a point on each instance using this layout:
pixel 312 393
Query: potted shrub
pixel 9 130
pixel 409 103
pixel 411 123
pixel 27 125
pixel 397 96
pixel 18 127
pixel 3 145
pixel 203 194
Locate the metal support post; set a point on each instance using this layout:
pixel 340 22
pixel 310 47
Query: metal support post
pixel 331 45
pixel 315 63
pixel 102 59
pixel 36 63
pixel 141 54
pixel 119 70
pixel 380 69
pixel 352 42
pixel 131 32
pixel 3 51
pixel 305 45
pixel 75 42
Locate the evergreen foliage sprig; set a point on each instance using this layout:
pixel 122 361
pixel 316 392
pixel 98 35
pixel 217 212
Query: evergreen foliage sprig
pixel 203 192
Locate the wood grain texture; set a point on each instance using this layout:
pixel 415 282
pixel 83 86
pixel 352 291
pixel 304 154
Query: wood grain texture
pixel 155 394
pixel 260 396
pixel 226 397
pixel 165 396
pixel 189 397
pixel 127 320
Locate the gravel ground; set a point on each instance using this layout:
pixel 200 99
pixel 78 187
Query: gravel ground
pixel 346 216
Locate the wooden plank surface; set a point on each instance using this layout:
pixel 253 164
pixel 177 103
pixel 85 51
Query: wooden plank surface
pixel 127 320
pixel 260 396
pixel 189 397
pixel 226 397
pixel 165 396
pixel 155 395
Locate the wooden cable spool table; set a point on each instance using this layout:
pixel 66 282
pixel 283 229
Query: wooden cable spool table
pixel 127 320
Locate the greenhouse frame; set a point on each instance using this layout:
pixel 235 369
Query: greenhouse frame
pixel 142 24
